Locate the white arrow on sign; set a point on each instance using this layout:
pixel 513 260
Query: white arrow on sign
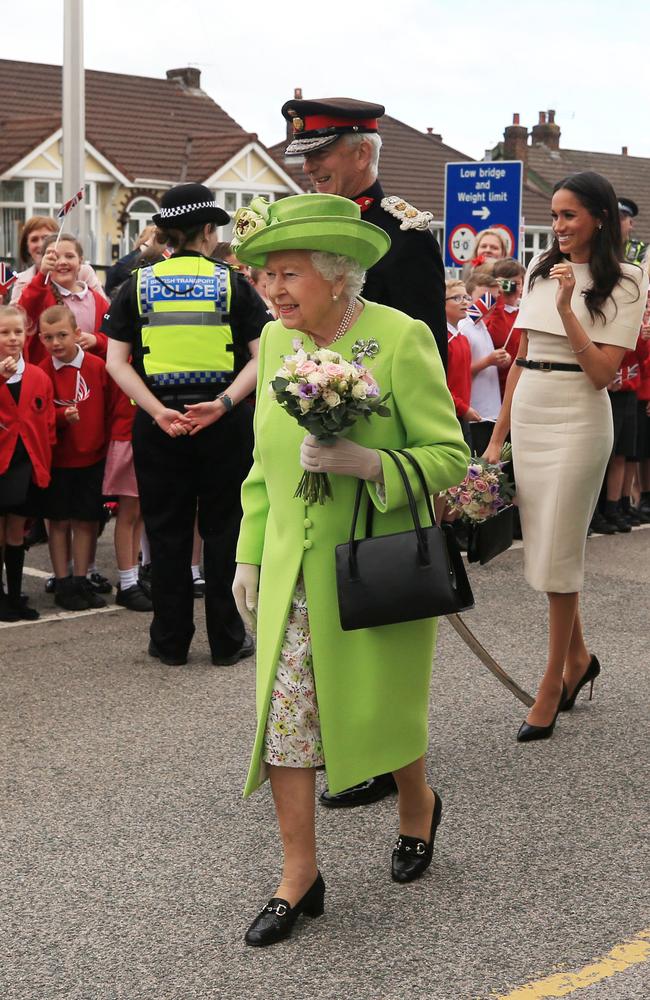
pixel 484 212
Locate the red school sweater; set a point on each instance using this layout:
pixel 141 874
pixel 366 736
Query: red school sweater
pixel 122 414
pixel 459 371
pixel 36 298
pixel 500 324
pixel 85 442
pixel 32 418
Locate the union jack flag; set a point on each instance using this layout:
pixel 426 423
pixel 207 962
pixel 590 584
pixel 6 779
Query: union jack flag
pixel 70 204
pixel 481 307
pixel 7 278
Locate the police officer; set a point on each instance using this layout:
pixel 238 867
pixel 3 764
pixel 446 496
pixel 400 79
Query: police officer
pixel 338 138
pixel 634 250
pixel 184 336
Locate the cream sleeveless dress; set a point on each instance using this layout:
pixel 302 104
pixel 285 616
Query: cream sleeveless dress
pixel 561 427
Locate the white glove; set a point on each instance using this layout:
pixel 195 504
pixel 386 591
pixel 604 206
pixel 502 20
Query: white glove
pixel 244 588
pixel 345 458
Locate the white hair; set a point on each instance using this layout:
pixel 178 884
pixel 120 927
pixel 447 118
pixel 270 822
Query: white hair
pixel 332 266
pixel 374 140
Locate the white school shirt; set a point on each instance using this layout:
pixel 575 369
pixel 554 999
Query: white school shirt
pixel 486 394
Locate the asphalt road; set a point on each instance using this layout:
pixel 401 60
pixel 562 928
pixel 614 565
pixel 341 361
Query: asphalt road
pixel 131 867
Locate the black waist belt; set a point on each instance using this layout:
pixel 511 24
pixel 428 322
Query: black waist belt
pixel 187 394
pixel 547 366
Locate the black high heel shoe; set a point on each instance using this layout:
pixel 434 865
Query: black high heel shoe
pixel 275 922
pixel 527 733
pixel 412 856
pixel 590 674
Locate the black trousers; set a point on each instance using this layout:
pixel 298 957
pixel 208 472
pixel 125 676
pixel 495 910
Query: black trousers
pixel 175 475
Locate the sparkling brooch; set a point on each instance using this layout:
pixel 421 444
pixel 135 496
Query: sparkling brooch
pixel 365 349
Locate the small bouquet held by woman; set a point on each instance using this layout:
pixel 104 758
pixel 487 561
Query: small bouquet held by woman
pixel 485 490
pixel 326 395
pixel 484 501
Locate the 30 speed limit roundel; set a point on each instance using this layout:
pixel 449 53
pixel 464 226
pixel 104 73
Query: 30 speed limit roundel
pixel 461 243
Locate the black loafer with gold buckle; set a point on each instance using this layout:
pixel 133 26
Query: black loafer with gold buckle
pixel 412 856
pixel 275 922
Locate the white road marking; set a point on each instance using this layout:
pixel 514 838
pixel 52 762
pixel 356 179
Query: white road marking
pixel 60 616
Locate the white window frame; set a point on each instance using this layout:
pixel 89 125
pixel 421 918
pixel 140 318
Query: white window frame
pixel 127 245
pixel 540 240
pixel 8 249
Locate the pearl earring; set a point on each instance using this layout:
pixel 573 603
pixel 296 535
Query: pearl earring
pixel 335 298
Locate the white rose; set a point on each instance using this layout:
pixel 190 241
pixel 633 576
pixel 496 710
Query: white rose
pixel 324 355
pixel 332 398
pixel 305 405
pixel 359 391
pixel 293 388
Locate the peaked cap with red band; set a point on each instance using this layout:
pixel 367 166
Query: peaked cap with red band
pixel 320 122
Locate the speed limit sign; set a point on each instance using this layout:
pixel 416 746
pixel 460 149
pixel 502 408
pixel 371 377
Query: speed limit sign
pixel 461 243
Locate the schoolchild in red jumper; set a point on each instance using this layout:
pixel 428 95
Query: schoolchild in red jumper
pixel 459 354
pixel 57 283
pixel 26 437
pixel 73 500
pixel 501 320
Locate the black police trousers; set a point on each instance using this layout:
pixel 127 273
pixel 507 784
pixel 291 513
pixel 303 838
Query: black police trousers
pixel 175 477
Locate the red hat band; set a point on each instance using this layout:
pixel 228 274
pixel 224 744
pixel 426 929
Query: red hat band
pixel 319 124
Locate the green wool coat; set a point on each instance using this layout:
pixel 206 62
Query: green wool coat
pixel 372 685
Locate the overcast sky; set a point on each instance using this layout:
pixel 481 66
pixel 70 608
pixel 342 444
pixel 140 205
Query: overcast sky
pixel 460 67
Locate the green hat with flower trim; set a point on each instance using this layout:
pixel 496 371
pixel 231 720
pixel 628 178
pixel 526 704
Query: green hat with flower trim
pixel 324 222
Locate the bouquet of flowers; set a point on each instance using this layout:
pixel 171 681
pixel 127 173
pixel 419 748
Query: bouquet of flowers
pixel 485 490
pixel 326 395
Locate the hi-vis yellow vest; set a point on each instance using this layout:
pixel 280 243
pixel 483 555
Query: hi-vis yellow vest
pixel 184 303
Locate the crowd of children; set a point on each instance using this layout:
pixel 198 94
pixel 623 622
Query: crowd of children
pixel 65 430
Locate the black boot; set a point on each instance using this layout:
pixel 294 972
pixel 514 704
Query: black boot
pixel 614 517
pixel 14 563
pixel 630 513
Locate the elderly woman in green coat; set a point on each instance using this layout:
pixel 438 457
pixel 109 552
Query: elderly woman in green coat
pixel 353 702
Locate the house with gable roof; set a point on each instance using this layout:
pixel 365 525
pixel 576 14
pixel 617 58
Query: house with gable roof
pixel 143 135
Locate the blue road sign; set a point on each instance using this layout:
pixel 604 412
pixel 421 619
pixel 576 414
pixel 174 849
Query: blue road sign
pixel 481 196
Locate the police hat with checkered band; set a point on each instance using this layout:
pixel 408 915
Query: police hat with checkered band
pixel 188 205
pixel 320 122
pixel 628 207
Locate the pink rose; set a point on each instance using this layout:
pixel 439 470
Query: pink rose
pixel 480 485
pixel 306 368
pixel 332 370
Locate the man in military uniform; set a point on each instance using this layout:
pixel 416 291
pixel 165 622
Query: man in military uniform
pixel 338 138
pixel 634 250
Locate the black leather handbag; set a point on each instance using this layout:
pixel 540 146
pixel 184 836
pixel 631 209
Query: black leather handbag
pixel 401 577
pixel 492 537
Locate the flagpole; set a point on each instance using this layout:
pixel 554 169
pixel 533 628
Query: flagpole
pixel 74 156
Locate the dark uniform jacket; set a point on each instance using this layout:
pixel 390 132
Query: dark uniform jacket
pixel 411 276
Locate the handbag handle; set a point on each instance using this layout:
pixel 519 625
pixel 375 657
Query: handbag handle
pixel 420 474
pixel 425 490
pixel 423 547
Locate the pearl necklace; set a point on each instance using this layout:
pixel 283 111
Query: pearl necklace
pixel 345 322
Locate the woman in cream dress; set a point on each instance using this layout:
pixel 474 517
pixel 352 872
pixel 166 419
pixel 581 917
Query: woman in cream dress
pixel 580 312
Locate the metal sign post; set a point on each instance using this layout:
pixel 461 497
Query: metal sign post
pixel 485 195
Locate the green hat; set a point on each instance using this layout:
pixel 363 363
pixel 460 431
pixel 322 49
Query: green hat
pixel 306 222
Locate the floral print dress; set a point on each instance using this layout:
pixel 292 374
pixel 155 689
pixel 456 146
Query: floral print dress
pixel 293 737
